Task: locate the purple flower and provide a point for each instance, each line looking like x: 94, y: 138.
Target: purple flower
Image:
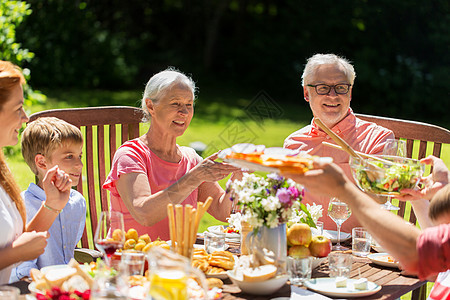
x: 294, y: 192
x: 275, y: 176
x: 284, y: 196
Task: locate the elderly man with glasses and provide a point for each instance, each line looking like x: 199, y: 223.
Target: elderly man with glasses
x: 327, y: 86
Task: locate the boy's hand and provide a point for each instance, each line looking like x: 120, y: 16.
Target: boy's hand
x: 31, y: 244
x: 57, y: 186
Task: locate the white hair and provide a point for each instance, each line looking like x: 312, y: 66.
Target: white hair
x: 327, y: 59
x: 160, y: 82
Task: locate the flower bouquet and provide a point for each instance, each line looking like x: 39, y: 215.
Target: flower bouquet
x: 268, y: 201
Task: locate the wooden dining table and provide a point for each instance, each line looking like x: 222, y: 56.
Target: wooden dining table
x: 392, y: 281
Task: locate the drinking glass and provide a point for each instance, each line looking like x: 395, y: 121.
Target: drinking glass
x: 361, y: 241
x: 340, y: 264
x: 214, y: 241
x: 110, y: 234
x: 9, y: 292
x: 299, y: 269
x: 338, y: 211
x: 393, y: 147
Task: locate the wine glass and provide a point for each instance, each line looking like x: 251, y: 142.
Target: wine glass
x: 338, y: 211
x: 393, y: 147
x: 110, y: 234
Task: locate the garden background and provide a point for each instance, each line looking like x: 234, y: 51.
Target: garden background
x: 246, y: 57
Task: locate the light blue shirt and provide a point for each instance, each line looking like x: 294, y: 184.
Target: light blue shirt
x: 65, y: 231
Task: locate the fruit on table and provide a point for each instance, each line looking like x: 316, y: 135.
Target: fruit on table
x: 299, y: 251
x: 320, y: 246
x: 132, y: 234
x: 299, y: 234
x: 117, y: 235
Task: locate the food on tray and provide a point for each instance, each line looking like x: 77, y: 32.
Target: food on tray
x: 215, y: 263
x: 401, y: 173
x: 341, y: 282
x: 360, y: 284
x: 260, y: 273
x: 286, y: 163
x: 141, y: 243
x: 67, y: 280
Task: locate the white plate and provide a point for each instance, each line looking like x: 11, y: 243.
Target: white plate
x: 327, y: 286
x: 332, y: 235
x: 376, y: 258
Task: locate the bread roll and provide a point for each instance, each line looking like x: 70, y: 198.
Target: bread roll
x: 214, y: 282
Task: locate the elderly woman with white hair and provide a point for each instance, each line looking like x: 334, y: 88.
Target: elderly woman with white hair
x: 151, y: 171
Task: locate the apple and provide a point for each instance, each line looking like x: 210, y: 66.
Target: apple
x: 299, y: 234
x: 299, y: 251
x: 320, y: 246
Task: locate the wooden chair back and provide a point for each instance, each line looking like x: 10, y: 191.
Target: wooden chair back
x: 104, y: 130
x: 427, y: 135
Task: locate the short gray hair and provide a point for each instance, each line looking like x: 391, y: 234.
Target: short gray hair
x: 328, y: 59
x: 159, y: 83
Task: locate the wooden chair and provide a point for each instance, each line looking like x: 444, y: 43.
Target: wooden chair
x: 104, y: 130
x: 427, y: 136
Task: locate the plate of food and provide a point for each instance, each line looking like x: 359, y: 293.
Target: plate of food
x: 272, y: 160
x: 377, y: 247
x: 350, y: 289
x: 215, y: 264
x: 383, y: 259
x: 333, y: 234
x: 231, y: 235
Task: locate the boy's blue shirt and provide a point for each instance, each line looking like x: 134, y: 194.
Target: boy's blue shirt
x: 65, y: 231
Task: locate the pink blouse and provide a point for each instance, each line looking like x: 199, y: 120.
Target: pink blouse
x: 135, y: 157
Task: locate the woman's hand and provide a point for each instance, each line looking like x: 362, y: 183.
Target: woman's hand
x: 30, y: 244
x: 431, y: 184
x: 57, y: 186
x: 210, y: 171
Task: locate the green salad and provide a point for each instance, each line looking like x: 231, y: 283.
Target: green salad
x: 395, y: 178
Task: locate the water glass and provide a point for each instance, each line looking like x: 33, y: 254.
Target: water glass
x: 340, y: 264
x: 214, y: 242
x: 133, y: 262
x: 319, y: 229
x: 361, y: 241
x: 299, y: 269
x: 9, y: 292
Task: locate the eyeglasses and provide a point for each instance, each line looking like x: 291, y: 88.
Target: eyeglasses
x: 324, y: 89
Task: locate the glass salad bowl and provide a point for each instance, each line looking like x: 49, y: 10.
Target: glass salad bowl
x: 386, y: 177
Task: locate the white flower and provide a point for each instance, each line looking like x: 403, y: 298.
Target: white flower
x: 235, y: 220
x: 272, y: 220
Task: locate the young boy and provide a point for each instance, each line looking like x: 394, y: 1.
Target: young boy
x: 47, y: 142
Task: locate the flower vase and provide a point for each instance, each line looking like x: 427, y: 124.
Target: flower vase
x: 274, y: 240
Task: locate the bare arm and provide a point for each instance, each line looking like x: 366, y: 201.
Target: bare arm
x: 28, y: 245
x: 149, y: 208
x: 57, y: 186
x: 391, y: 231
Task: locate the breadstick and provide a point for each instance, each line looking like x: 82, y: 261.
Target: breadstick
x: 193, y: 231
x: 186, y: 229
x: 172, y: 228
x: 179, y: 225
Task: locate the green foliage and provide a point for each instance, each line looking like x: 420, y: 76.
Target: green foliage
x: 12, y: 14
